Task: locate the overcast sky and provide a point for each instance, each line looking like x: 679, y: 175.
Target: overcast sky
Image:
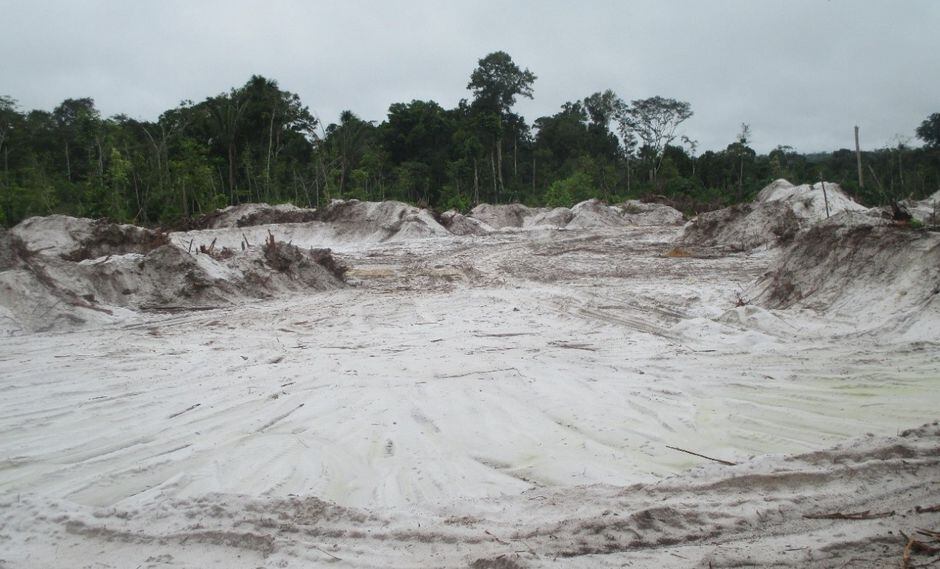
x: 800, y: 72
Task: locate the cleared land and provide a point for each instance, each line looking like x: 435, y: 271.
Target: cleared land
x: 506, y: 399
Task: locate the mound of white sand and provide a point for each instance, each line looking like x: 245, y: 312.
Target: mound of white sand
x: 556, y: 217
x: 64, y: 284
x: 460, y: 224
x: 636, y: 212
x: 381, y: 221
x: 342, y: 225
x: 54, y: 234
x: 812, y: 202
x: 595, y: 213
x: 245, y: 215
x: 589, y: 214
x: 926, y: 211
x: 76, y: 238
x: 780, y: 211
x: 741, y: 227
x: 504, y: 215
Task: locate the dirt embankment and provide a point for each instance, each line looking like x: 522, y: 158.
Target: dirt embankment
x: 891, y: 274
x: 742, y: 227
x: 65, y: 272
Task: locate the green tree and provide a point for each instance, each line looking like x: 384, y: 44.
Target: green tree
x: 495, y: 83
x: 929, y: 131
x: 655, y: 121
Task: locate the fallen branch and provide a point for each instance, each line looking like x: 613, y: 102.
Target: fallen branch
x: 174, y: 415
x: 725, y: 462
x: 866, y: 515
x: 906, y: 556
x: 487, y: 532
x: 934, y: 534
x: 325, y: 552
x: 156, y: 308
x: 927, y: 509
x: 914, y: 545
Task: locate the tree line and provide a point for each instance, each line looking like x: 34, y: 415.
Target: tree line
x: 258, y: 143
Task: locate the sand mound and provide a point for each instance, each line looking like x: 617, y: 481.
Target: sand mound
x: 780, y: 211
x: 595, y: 213
x: 589, y: 214
x: 926, y: 211
x: 504, y: 215
x: 246, y: 215
x: 636, y: 212
x: 342, y: 225
x: 875, y: 274
x: 459, y: 224
x: 76, y: 239
x: 809, y: 201
x: 557, y: 217
x: 381, y: 221
x: 44, y: 292
x: 742, y: 227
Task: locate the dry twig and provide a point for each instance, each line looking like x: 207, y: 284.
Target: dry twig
x: 725, y: 462
x: 866, y: 515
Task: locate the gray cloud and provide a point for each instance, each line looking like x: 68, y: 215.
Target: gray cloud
x: 800, y: 72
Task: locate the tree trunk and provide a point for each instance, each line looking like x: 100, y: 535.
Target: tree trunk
x: 515, y: 155
x: 100, y: 158
x: 141, y: 212
x: 900, y: 169
x: 858, y: 160
x: 267, y: 167
x: 533, y: 176
x: 493, y: 173
x: 68, y: 163
x: 499, y: 165
x: 185, y: 201
x: 628, y: 174
x: 231, y: 172
x: 476, y: 183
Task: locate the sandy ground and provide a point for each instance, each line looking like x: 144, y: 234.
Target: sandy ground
x: 506, y: 400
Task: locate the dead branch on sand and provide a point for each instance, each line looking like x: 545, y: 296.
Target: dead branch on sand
x: 725, y: 462
x: 866, y: 515
x: 914, y: 546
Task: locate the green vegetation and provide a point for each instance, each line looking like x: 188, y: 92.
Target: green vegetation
x: 258, y: 142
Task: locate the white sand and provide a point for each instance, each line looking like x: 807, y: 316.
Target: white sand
x: 485, y: 399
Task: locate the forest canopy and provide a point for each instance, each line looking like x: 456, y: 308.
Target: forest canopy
x: 259, y: 142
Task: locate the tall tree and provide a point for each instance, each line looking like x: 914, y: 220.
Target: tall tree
x: 655, y: 121
x: 929, y: 131
x: 495, y: 83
